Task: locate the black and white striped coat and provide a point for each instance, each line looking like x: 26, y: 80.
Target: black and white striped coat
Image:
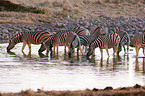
x: 124, y: 40
x: 28, y: 38
x: 104, y: 42
x: 138, y: 41
x: 61, y: 38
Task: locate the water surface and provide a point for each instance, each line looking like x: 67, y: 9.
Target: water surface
x: 19, y: 72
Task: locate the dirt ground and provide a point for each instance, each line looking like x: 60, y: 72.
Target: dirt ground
x: 136, y: 90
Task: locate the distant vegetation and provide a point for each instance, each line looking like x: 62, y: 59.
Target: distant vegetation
x: 34, y: 11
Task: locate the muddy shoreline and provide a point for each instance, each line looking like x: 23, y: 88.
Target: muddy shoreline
x: 136, y: 90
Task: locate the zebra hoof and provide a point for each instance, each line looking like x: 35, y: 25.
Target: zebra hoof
x: 8, y: 50
x: 41, y: 55
x: 11, y: 53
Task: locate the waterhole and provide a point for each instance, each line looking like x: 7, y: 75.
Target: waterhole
x: 19, y: 72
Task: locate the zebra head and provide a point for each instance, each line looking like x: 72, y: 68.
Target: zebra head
x: 90, y: 52
x: 72, y: 51
x: 119, y: 48
x: 11, y: 45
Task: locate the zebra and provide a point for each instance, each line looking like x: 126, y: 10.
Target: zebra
x: 62, y: 39
x: 124, y: 40
x: 78, y: 30
x: 65, y: 37
x: 138, y: 41
x: 28, y: 38
x: 47, y: 44
x: 104, y: 42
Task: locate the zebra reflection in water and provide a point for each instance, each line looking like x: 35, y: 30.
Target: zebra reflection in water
x: 140, y: 67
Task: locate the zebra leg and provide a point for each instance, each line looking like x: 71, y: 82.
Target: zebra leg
x: 80, y: 50
x: 50, y: 52
x: 84, y: 48
x: 143, y: 51
x: 29, y: 46
x: 113, y: 52
x: 127, y: 48
x: 69, y: 53
x: 107, y: 52
x: 48, y: 49
x: 124, y: 49
x: 65, y: 49
x: 54, y: 49
x: 115, y: 49
x: 57, y: 49
x: 77, y: 51
x: 137, y: 50
x: 42, y: 48
x: 101, y: 50
x: 93, y: 53
x: 24, y: 44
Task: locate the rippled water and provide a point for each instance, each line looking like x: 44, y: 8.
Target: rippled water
x: 19, y: 72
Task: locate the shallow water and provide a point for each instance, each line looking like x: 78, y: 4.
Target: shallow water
x: 19, y: 72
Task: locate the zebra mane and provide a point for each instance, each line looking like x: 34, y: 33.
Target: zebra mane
x: 17, y: 35
x: 62, y: 31
x: 96, y: 29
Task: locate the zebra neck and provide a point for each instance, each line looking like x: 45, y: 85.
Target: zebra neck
x: 17, y: 39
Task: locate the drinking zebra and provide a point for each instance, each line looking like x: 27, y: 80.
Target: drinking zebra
x: 104, y: 42
x: 78, y: 31
x: 69, y: 39
x: 138, y: 41
x: 124, y: 40
x: 28, y: 38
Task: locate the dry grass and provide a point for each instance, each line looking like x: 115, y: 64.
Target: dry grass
x: 51, y: 10
x: 20, y: 17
